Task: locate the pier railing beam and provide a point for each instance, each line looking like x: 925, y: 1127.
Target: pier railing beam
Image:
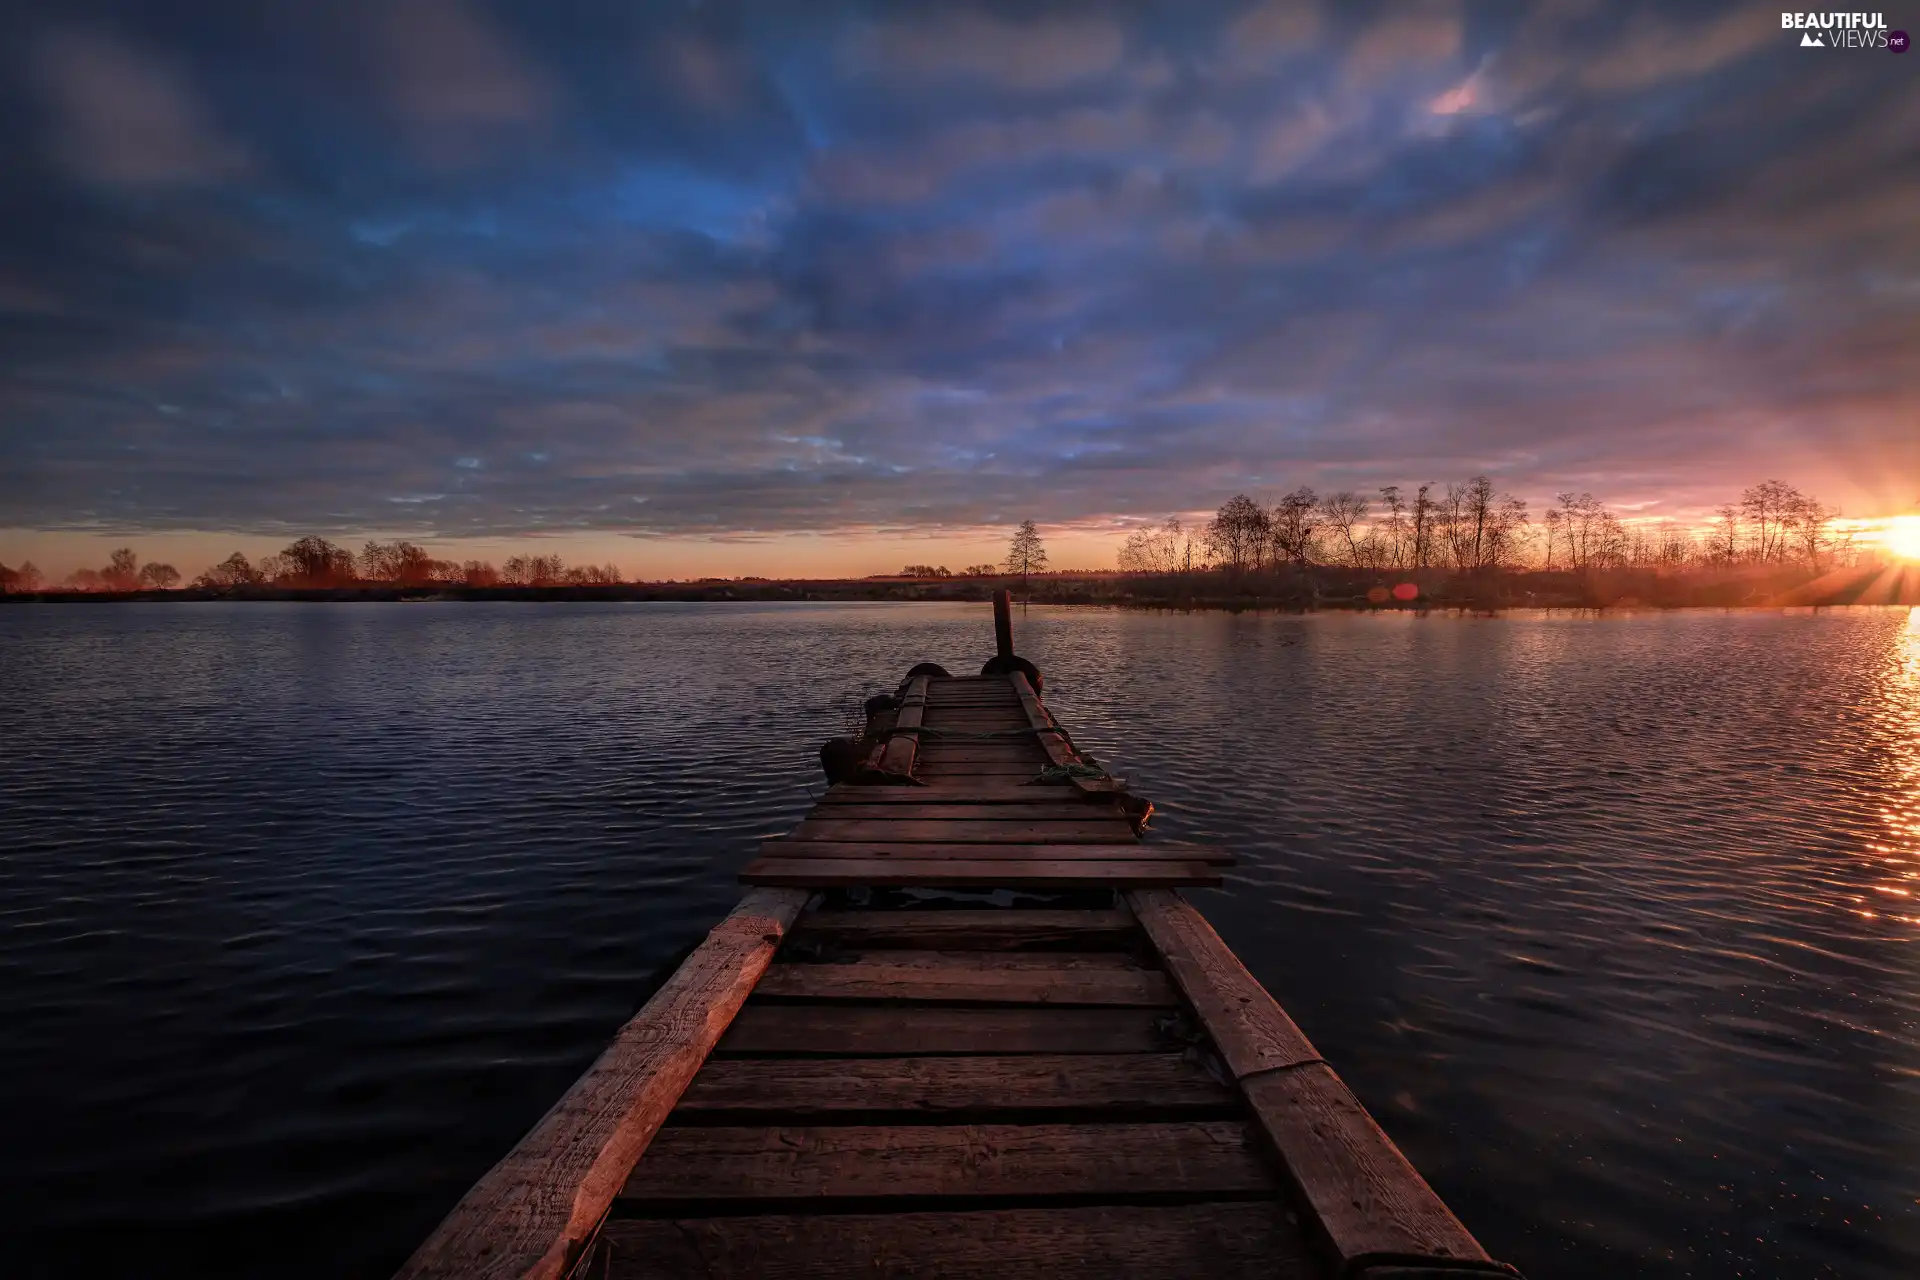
x: 532, y: 1217
x: 1003, y: 624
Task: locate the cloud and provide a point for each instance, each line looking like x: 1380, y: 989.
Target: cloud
x: 118, y: 116
x: 1412, y: 36
x: 1028, y: 56
x: 456, y: 84
x: 709, y: 273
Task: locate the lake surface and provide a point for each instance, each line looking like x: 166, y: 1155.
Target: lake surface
x: 308, y: 911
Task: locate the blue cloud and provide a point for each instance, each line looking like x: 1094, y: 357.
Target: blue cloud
x: 724, y: 267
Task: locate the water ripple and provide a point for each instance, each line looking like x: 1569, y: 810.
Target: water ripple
x: 306, y: 912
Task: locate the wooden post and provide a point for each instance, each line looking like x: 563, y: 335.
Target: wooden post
x: 1003, y: 623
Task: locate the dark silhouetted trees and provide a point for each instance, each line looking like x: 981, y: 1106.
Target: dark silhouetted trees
x: 159, y: 577
x: 1165, y: 550
x: 24, y: 579
x: 122, y: 572
x: 1238, y: 535
x: 315, y: 562
x: 1296, y: 527
x: 234, y: 571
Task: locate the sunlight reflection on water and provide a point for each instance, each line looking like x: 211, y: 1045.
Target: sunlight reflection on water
x: 306, y: 912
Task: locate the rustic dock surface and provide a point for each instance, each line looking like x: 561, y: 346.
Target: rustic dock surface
x: 965, y: 1026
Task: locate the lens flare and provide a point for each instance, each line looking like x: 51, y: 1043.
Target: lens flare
x: 1902, y: 537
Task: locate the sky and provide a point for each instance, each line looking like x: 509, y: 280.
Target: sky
x: 710, y: 288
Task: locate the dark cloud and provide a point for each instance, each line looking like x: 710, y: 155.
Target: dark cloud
x: 476, y: 269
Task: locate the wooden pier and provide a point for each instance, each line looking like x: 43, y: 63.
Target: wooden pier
x: 962, y: 1025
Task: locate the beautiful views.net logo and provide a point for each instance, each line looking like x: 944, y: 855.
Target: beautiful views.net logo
x: 1844, y: 31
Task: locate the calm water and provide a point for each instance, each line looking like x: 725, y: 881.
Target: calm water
x: 306, y: 912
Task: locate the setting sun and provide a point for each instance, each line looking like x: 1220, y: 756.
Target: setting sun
x: 1902, y: 537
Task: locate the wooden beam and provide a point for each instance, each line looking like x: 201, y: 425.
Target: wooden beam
x: 1066, y: 808
x: 1251, y: 1030
x: 532, y: 1215
x: 908, y: 833
x: 1017, y: 977
x: 1155, y: 1085
x: 1232, y: 1240
x: 982, y: 930
x: 1003, y: 624
x: 984, y: 793
x: 1369, y: 1201
x: 788, y: 1162
x: 956, y: 873
x: 1058, y: 750
x: 896, y: 757
x: 960, y: 849
x: 893, y: 1030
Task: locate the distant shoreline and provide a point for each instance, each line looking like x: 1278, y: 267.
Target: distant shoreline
x: 1320, y: 589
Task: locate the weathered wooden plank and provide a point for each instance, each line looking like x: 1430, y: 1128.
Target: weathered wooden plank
x: 1083, y: 830
x: 952, y: 716
x: 1231, y: 1240
x: 897, y: 756
x: 982, y: 793
x: 1368, y: 1200
x: 1019, y: 977
x: 980, y: 769
x: 1062, y: 810
x: 1037, y: 716
x: 533, y: 1213
x: 1195, y: 1157
x: 958, y: 873
x: 988, y: 930
x: 898, y: 1030
x: 964, y: 851
x: 1251, y: 1030
x: 1163, y: 1084
x: 1058, y: 749
x: 942, y: 751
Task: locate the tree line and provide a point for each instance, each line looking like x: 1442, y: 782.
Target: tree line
x: 314, y: 562
x: 1472, y: 528
x: 941, y: 571
x: 122, y: 572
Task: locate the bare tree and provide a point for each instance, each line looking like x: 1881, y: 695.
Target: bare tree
x: 1479, y: 529
x: 1673, y: 545
x: 1342, y: 513
x: 401, y: 562
x: 318, y: 563
x: 981, y: 570
x: 1426, y: 546
x: 1296, y: 527
x: 1396, y: 531
x: 533, y: 571
x: 479, y: 573
x: 1025, y: 554
x: 1157, y: 550
x: 28, y: 577
x: 1810, y: 524
x: 234, y: 571
x: 1768, y: 509
x: 161, y: 577
x: 122, y: 572
x: 1723, y: 539
x: 1238, y: 533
